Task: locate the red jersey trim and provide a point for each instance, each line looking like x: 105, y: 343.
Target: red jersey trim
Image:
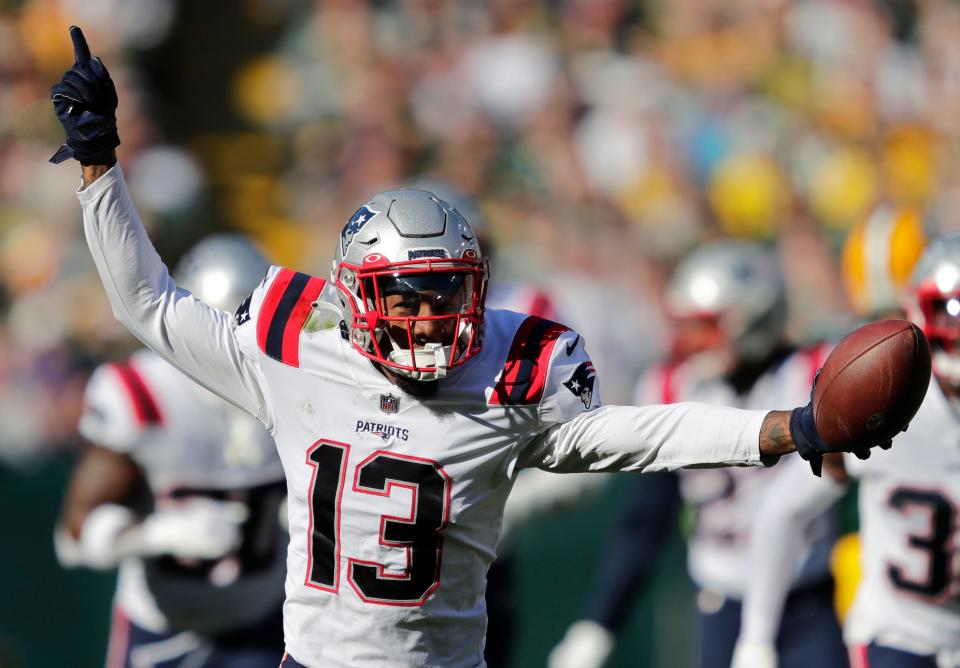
x: 144, y: 405
x: 541, y: 306
x: 283, y: 314
x: 524, y: 374
x: 668, y: 389
x: 816, y: 356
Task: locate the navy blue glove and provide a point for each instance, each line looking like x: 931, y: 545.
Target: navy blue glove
x: 810, y: 446
x: 85, y: 102
x: 803, y: 431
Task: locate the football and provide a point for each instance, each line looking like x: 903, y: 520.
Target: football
x: 872, y: 384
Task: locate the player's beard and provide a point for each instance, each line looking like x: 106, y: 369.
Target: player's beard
x: 419, y: 389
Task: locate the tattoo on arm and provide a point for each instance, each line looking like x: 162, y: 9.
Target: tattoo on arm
x: 775, y: 436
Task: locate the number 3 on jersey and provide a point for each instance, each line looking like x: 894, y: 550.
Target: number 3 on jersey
x: 420, y: 534
x: 937, y: 544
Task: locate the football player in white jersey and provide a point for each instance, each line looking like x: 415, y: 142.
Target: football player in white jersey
x: 728, y: 302
x: 535, y: 493
x: 906, y: 611
x: 401, y: 431
x: 202, y: 556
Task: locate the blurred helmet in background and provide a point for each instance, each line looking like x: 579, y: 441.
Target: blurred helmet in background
x: 221, y: 270
x: 728, y: 303
x: 878, y: 256
x: 933, y: 302
x: 410, y: 243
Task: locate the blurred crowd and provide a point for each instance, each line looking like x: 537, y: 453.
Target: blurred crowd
x: 601, y: 139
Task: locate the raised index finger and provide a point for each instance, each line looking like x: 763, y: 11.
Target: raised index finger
x: 81, y: 52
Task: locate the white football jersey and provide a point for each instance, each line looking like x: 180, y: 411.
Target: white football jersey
x: 909, y: 497
x: 189, y: 442
x: 725, y: 500
x: 394, y: 503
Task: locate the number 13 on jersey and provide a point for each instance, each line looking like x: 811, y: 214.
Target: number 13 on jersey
x: 420, y: 534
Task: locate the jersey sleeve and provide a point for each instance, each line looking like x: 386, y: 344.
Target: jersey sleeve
x: 118, y: 409
x: 199, y: 340
x: 580, y: 435
x: 649, y: 438
x: 270, y: 321
x: 571, y: 384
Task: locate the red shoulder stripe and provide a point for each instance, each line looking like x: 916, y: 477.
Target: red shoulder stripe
x: 668, y: 390
x: 283, y: 314
x: 144, y: 405
x: 525, y: 371
x: 541, y: 305
x: 269, y: 307
x: 298, y: 318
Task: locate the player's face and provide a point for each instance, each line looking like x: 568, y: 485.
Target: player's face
x: 943, y: 332
x: 696, y: 334
x: 425, y: 307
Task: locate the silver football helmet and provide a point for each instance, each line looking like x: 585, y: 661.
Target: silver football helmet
x: 932, y: 301
x: 221, y: 270
x: 407, y: 260
x: 736, y: 293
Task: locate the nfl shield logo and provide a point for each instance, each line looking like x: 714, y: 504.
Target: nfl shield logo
x: 389, y: 403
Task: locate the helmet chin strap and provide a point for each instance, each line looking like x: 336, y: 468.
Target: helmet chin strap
x: 433, y: 355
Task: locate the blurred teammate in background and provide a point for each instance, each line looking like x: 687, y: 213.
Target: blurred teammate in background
x: 184, y: 493
x: 728, y: 301
x: 905, y: 612
x: 878, y: 256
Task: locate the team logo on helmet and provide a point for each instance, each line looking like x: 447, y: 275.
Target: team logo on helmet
x: 354, y: 225
x: 389, y: 403
x: 581, y: 383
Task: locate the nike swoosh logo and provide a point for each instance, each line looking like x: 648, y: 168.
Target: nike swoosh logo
x: 572, y: 345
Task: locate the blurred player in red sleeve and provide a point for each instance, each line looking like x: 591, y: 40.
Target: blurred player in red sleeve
x: 183, y: 492
x: 729, y: 307
x: 904, y: 612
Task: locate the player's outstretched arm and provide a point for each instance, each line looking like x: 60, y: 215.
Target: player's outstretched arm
x: 683, y: 435
x: 660, y: 438
x: 194, y: 337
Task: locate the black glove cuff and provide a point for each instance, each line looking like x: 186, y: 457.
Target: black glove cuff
x: 803, y: 431
x: 89, y: 151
